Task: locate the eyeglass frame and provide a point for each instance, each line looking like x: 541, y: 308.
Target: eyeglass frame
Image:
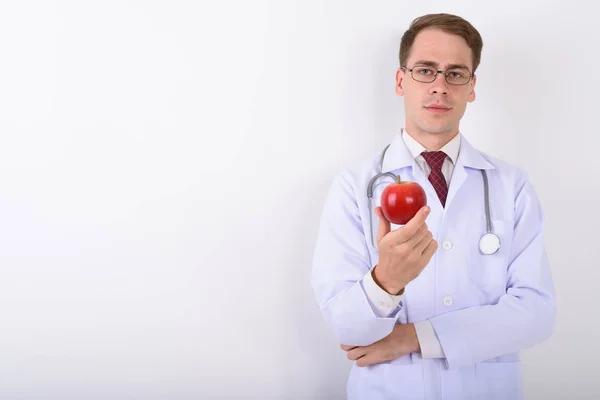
x: 437, y: 72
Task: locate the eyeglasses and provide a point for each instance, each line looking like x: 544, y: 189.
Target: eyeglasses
x: 427, y: 74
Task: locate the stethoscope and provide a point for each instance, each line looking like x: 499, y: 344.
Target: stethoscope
x: 489, y: 243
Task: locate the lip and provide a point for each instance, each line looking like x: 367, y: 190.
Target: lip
x: 437, y: 108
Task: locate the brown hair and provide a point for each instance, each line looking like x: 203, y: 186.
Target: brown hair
x: 448, y: 23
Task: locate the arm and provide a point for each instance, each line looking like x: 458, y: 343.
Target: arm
x: 423, y: 337
x: 524, y: 316
x: 340, y: 265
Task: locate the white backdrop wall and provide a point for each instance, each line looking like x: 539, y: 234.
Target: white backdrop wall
x: 163, y: 166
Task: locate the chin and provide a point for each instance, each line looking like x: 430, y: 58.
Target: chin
x: 437, y: 128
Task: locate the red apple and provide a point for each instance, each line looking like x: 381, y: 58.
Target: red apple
x: 401, y: 200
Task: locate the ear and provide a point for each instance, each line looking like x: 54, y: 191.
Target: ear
x: 472, y: 92
x: 400, y: 82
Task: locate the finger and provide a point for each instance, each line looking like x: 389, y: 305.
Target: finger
x: 418, y: 236
x: 356, y: 353
x: 368, y: 359
x: 408, y: 231
x: 384, y: 225
x: 430, y: 249
x: 345, y: 347
x: 423, y: 242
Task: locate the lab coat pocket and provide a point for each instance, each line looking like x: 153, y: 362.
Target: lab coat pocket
x: 499, y: 380
x: 388, y: 380
x: 489, y: 270
x: 406, y: 382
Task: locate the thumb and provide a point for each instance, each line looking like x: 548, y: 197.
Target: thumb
x: 384, y: 225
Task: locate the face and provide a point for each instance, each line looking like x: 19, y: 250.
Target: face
x: 435, y: 108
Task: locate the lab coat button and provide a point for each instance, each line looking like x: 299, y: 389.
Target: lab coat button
x: 448, y: 300
x: 447, y: 245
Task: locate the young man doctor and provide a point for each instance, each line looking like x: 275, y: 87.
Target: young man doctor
x: 424, y: 320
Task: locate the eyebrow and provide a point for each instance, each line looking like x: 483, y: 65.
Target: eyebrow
x: 436, y: 65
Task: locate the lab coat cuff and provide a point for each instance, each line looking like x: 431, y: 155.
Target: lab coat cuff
x: 428, y: 340
x: 456, y: 349
x: 382, y: 303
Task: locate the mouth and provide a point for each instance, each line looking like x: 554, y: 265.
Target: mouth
x: 438, y: 108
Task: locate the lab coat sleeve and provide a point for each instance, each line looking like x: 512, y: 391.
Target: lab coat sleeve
x: 525, y: 315
x: 340, y: 265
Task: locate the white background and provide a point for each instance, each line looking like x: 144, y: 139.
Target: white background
x: 163, y: 165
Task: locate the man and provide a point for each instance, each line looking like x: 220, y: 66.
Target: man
x: 422, y: 320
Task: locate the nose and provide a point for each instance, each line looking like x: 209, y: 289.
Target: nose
x: 439, y: 85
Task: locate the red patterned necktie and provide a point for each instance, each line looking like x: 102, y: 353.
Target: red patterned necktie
x: 435, y: 159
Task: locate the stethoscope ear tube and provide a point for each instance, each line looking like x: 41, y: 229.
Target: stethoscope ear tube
x: 490, y: 242
x: 370, y: 196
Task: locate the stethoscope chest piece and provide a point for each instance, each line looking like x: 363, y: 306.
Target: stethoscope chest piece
x: 489, y: 243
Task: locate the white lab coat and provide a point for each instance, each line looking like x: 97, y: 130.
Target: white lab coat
x: 484, y: 308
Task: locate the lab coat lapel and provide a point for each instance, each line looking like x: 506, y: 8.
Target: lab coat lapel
x: 459, y: 175
x: 397, y: 155
x: 468, y: 157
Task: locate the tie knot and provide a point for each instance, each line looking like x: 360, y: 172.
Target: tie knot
x: 435, y: 159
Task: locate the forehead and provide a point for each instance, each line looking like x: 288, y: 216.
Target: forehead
x: 441, y: 48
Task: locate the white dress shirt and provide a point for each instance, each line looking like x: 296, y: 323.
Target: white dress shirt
x: 385, y: 304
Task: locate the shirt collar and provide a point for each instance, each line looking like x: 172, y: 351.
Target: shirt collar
x: 415, y: 148
x: 399, y: 156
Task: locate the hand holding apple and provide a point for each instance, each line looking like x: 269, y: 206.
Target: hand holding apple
x: 404, y: 252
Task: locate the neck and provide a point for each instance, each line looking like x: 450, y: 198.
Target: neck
x: 432, y: 141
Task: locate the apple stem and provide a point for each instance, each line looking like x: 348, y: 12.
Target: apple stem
x: 398, y: 179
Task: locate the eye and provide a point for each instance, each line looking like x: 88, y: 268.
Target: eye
x: 456, y: 74
x: 425, y: 71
